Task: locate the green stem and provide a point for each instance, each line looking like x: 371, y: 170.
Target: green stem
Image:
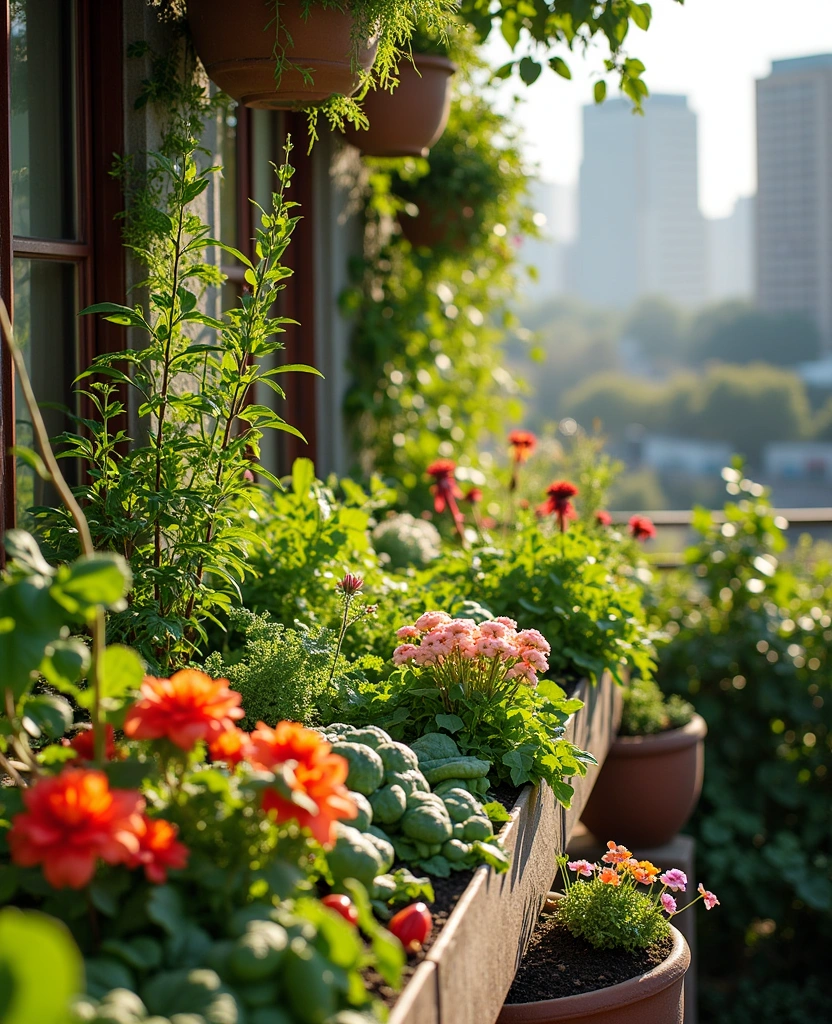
x: 65, y: 493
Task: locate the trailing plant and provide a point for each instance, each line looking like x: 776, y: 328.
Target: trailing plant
x: 646, y: 711
x: 751, y: 629
x: 605, y: 906
x: 427, y: 364
x: 169, y: 500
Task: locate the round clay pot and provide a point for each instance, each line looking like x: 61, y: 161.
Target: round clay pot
x: 648, y: 787
x: 656, y: 997
x: 235, y: 42
x: 411, y: 118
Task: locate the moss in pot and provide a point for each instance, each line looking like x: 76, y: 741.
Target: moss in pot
x: 605, y: 951
x: 652, y: 778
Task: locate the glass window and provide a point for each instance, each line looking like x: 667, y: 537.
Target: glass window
x: 43, y: 97
x: 45, y: 297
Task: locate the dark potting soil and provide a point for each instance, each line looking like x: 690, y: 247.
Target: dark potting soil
x: 447, y: 892
x: 557, y: 964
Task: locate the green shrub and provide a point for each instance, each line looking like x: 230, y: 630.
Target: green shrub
x: 281, y: 673
x: 751, y: 637
x: 612, y: 917
x: 646, y: 711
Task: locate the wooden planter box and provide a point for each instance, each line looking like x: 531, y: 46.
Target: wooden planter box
x: 466, y: 975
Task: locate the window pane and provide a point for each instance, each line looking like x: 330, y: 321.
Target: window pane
x: 43, y: 118
x: 44, y: 326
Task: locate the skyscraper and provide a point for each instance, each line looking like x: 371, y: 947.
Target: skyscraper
x: 794, y: 191
x: 731, y: 253
x: 640, y: 229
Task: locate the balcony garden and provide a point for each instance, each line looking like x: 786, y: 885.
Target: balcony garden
x: 278, y: 749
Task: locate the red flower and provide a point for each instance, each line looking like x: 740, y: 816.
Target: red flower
x: 523, y: 443
x: 445, y: 489
x: 603, y: 518
x: 84, y: 745
x: 316, y: 773
x: 72, y: 821
x: 230, y: 745
x: 473, y: 496
x: 188, y: 707
x: 642, y: 528
x: 159, y: 850
x: 350, y: 584
x: 558, y: 504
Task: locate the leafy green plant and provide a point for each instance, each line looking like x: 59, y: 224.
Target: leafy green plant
x: 169, y: 501
x: 280, y: 673
x: 646, y: 711
x: 427, y: 362
x: 751, y: 629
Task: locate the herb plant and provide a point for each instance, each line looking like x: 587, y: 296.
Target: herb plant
x: 621, y: 902
x: 170, y: 499
x: 646, y: 711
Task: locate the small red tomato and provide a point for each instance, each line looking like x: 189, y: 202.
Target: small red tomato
x: 412, y: 926
x: 341, y: 905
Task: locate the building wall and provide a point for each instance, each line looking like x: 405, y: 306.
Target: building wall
x: 640, y: 229
x: 794, y: 201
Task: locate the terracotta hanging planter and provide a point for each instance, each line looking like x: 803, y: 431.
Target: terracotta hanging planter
x: 436, y: 228
x: 236, y: 44
x: 656, y: 997
x: 648, y: 786
x: 411, y: 118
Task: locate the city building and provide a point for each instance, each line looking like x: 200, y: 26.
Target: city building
x: 640, y: 229
x: 794, y: 196
x: 554, y: 215
x: 730, y: 263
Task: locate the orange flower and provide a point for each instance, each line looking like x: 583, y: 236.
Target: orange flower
x: 644, y: 872
x: 609, y: 876
x: 188, y: 707
x: 229, y: 745
x: 616, y: 854
x: 159, y: 850
x: 316, y: 773
x: 83, y: 744
x: 71, y: 822
x: 523, y: 443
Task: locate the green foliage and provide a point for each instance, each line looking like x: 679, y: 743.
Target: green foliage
x: 33, y: 946
x: 427, y: 361
x: 402, y: 540
x: 751, y: 640
x: 646, y: 711
x: 169, y: 501
x: 612, y: 917
x: 735, y: 332
x: 538, y: 27
x: 281, y: 673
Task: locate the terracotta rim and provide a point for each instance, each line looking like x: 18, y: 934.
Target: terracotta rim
x: 623, y: 994
x: 663, y: 742
x: 433, y: 60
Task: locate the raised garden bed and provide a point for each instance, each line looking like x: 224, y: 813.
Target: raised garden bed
x: 470, y: 967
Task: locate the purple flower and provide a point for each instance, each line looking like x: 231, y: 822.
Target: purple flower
x: 674, y: 879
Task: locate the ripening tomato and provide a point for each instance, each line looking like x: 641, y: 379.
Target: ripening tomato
x: 342, y: 905
x: 412, y: 926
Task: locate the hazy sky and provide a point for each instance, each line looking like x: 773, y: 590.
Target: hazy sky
x: 712, y: 50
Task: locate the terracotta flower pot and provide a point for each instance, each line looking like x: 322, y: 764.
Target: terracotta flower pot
x: 656, y: 997
x: 435, y: 228
x: 648, y: 787
x: 236, y: 42
x: 411, y: 118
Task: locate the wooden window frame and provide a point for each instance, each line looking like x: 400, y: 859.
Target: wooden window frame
x: 98, y: 253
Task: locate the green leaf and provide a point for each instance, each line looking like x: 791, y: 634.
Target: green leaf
x: 493, y: 855
x: 30, y: 622
x: 510, y: 28
x: 23, y: 549
x: 529, y: 70
x: 505, y: 71
x: 641, y: 14
x: 121, y: 671
x: 295, y: 368
x: 496, y: 812
x: 90, y: 582
x: 303, y: 476
x: 164, y: 907
x: 64, y: 663
x: 47, y: 715
x: 600, y: 91
x: 453, y: 723
x: 560, y: 67
x: 34, y: 947
x: 32, y: 460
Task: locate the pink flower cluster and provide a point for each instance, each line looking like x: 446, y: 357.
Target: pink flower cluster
x: 436, y: 639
